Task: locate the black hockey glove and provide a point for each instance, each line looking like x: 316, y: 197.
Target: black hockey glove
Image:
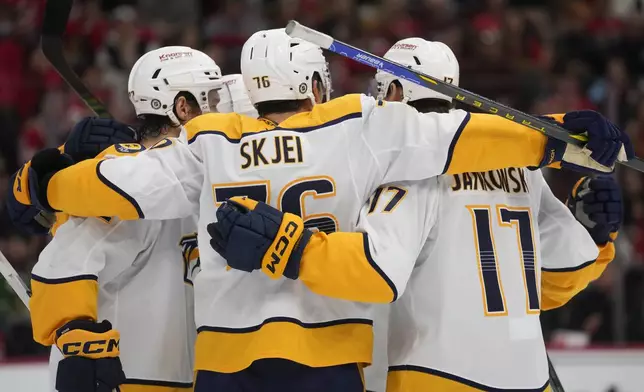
x: 605, y: 142
x: 91, y: 362
x: 92, y: 135
x: 252, y: 235
x: 597, y: 204
x: 26, y: 217
x: 43, y: 166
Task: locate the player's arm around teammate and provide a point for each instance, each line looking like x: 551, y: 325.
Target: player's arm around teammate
x: 426, y: 145
x: 88, y: 138
x: 364, y: 279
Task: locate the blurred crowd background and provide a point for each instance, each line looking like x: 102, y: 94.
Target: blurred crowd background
x: 540, y: 56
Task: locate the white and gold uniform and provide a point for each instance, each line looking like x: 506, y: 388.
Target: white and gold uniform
x: 322, y: 165
x: 478, y: 256
x: 136, y: 274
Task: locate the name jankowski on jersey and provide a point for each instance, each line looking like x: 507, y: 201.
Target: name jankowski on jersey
x: 510, y: 180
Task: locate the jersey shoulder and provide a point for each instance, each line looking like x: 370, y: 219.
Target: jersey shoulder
x: 121, y: 149
x: 335, y: 111
x: 232, y: 126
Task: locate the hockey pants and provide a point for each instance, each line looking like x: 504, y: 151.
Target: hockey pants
x: 280, y: 375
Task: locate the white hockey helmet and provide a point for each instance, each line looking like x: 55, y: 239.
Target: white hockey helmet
x: 431, y: 57
x: 159, y: 75
x: 234, y: 97
x: 276, y: 67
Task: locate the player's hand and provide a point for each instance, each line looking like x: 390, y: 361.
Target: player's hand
x: 252, y: 235
x: 25, y: 216
x: 91, y: 362
x: 40, y: 169
x: 606, y: 143
x: 597, y: 204
x: 92, y: 135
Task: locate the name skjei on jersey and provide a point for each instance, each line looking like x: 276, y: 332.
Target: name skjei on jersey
x: 271, y: 150
x: 510, y: 180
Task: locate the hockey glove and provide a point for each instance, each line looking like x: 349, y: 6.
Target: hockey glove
x: 91, y: 362
x: 27, y: 217
x: 92, y: 135
x: 252, y: 235
x: 604, y: 146
x: 43, y: 166
x: 597, y: 204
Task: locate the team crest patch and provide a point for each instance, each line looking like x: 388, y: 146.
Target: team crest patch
x: 303, y: 88
x: 156, y: 104
x: 128, y: 148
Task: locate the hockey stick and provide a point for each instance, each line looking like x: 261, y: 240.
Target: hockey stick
x: 51, y: 43
x: 555, y: 383
x: 295, y: 29
x: 14, y: 280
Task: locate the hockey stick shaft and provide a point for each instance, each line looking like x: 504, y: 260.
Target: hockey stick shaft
x: 555, y: 383
x: 54, y: 24
x: 14, y: 280
x: 295, y: 29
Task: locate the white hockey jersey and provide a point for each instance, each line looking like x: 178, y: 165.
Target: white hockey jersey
x: 322, y: 165
x: 478, y: 255
x: 136, y: 274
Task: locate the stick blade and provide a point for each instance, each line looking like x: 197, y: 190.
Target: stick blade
x: 297, y: 30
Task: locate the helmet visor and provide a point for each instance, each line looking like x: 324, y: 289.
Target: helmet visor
x: 214, y: 99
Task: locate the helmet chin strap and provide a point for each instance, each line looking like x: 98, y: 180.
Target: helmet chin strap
x: 173, y: 117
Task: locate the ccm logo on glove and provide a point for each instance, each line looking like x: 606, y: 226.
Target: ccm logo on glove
x: 84, y: 338
x: 281, y: 245
x: 87, y: 349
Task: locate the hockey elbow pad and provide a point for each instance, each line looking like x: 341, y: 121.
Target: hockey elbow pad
x: 91, y: 362
x: 252, y: 235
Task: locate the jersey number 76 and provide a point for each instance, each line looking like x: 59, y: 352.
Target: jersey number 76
x: 290, y: 199
x: 519, y: 218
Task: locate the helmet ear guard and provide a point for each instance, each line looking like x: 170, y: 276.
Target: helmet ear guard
x: 234, y: 98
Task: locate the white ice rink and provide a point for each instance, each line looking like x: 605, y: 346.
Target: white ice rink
x: 595, y: 370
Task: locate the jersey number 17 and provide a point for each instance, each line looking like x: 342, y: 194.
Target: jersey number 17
x: 519, y: 218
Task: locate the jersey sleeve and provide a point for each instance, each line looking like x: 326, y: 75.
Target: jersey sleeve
x: 409, y: 145
x: 64, y: 281
x: 374, y: 263
x: 570, y: 257
x: 163, y: 182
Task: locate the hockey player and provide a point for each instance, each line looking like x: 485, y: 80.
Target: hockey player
x: 136, y: 275
x: 469, y: 315
x: 255, y: 333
